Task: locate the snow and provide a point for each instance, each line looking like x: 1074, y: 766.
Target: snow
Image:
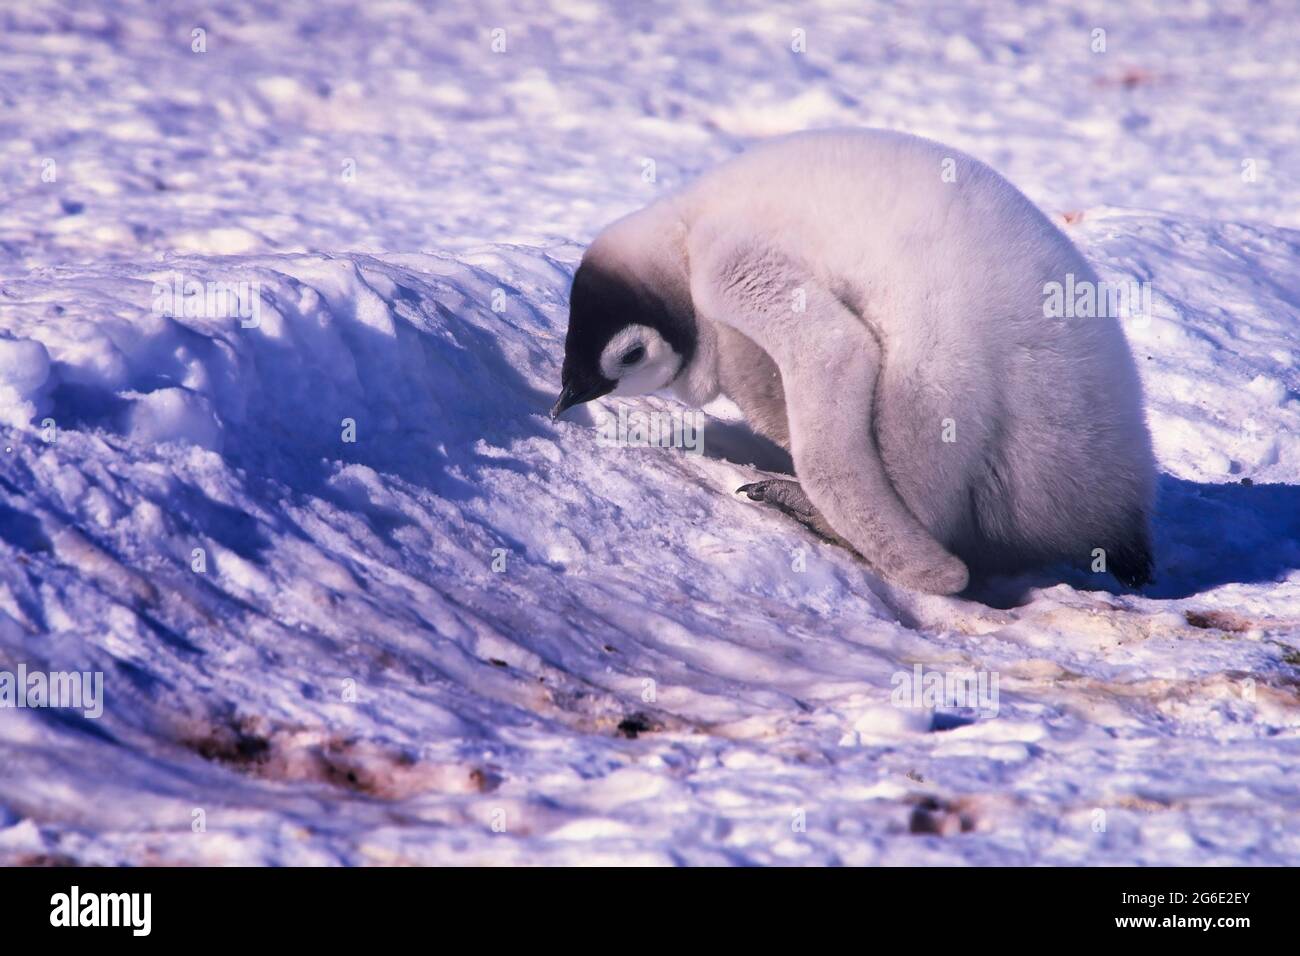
x: 359, y: 601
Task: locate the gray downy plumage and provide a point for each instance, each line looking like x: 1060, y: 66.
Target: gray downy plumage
x: 874, y: 303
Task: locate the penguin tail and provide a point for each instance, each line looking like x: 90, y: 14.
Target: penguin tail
x: 1131, y: 563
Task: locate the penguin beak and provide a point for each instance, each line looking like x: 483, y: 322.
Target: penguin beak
x: 575, y: 394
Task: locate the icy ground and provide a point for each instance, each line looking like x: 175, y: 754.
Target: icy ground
x: 387, y: 178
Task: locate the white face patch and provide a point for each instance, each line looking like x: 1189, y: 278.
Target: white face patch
x: 640, y: 360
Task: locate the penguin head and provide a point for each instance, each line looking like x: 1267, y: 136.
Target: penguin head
x: 623, y: 338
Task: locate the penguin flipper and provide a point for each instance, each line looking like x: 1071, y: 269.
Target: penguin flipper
x: 829, y: 362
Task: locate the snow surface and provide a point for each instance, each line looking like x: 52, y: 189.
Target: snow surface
x: 386, y: 178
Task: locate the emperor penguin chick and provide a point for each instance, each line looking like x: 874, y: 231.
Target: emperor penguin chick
x: 887, y: 324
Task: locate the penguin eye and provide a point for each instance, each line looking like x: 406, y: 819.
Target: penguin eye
x: 632, y: 356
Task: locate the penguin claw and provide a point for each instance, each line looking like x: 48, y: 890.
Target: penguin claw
x: 753, y: 490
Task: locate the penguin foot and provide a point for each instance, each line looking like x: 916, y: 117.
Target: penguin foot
x: 779, y: 492
x: 789, y: 497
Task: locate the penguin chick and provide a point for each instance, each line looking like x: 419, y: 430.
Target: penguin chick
x: 874, y: 302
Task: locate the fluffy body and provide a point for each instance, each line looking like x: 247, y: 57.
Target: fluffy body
x: 887, y: 327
